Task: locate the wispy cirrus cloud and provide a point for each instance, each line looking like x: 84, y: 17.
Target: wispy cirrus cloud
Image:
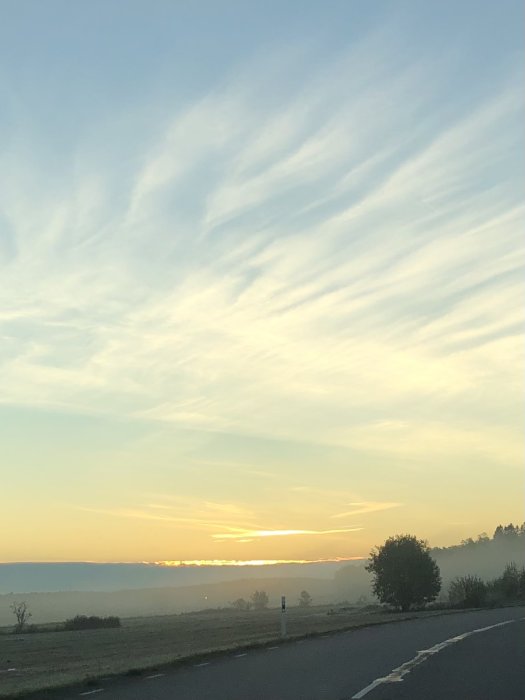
x: 316, y: 262
x: 279, y: 293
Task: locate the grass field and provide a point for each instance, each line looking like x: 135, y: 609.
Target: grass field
x: 51, y: 659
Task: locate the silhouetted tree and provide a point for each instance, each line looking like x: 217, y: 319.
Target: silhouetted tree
x: 259, y: 600
x: 404, y: 572
x: 305, y: 599
x: 22, y: 614
x: 241, y: 604
x: 509, y: 582
x: 509, y: 530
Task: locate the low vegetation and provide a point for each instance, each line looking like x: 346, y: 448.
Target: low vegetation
x: 91, y: 622
x: 78, y: 623
x: 473, y: 592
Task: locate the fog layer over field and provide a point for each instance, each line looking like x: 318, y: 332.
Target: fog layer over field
x: 81, y: 576
x: 56, y: 591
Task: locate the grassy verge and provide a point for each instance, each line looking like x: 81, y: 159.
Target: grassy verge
x: 44, y: 661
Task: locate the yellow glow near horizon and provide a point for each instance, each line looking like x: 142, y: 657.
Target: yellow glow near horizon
x: 248, y: 562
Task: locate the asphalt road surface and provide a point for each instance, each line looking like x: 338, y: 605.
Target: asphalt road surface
x: 464, y: 656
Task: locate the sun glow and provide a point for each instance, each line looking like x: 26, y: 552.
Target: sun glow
x: 249, y: 562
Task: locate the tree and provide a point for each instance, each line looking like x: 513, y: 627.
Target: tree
x: 259, y: 600
x: 509, y: 530
x: 241, y: 604
x: 509, y: 582
x: 22, y: 614
x: 305, y: 599
x: 404, y: 572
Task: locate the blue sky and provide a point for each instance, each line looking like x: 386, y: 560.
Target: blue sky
x: 260, y: 276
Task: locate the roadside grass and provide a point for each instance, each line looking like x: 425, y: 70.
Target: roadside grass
x: 50, y: 660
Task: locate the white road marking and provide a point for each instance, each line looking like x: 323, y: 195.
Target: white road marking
x: 155, y: 675
x: 204, y: 663
x: 270, y: 648
x: 239, y: 656
x: 396, y: 676
x: 92, y: 692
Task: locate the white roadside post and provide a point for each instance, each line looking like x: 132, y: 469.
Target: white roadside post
x: 283, y: 616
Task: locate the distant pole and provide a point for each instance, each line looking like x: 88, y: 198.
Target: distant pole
x: 283, y: 616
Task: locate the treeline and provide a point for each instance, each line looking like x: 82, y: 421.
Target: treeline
x: 260, y: 600
x: 503, y: 534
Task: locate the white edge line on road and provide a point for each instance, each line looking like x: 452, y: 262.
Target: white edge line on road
x: 155, y: 675
x: 204, y: 663
x: 270, y: 648
x: 397, y: 674
x: 92, y: 692
x: 239, y: 656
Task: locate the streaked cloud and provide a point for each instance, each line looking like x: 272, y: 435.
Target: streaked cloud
x: 280, y: 533
x: 360, y: 508
x: 317, y: 307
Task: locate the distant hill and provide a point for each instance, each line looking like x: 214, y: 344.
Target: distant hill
x: 81, y: 576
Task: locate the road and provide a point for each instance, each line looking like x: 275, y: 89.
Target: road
x: 464, y: 656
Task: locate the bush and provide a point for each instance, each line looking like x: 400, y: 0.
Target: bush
x: 509, y: 587
x: 472, y: 592
x: 83, y: 622
x: 467, y: 592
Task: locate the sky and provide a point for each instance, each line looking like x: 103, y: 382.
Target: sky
x: 261, y: 285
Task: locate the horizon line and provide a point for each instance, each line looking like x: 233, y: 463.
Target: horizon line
x: 196, y: 563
